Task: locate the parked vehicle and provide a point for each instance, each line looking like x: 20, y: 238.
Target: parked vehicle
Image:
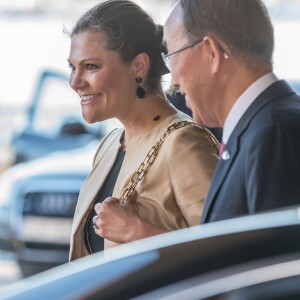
x: 252, y: 257
x: 37, y: 204
x: 54, y: 120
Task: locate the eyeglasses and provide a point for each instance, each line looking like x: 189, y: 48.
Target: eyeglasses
x: 166, y: 57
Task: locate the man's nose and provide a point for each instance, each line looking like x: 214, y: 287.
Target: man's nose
x: 175, y: 85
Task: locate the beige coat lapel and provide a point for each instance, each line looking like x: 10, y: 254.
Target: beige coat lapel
x: 102, y: 165
x: 134, y: 158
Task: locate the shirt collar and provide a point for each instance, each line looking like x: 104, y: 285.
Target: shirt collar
x: 244, y: 101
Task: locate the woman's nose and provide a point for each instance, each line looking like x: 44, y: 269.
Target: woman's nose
x: 76, y: 80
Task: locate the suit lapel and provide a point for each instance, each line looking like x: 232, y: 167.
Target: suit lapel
x: 276, y: 90
x: 222, y: 169
x: 109, y: 151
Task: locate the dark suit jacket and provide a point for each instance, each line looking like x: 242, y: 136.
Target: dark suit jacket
x: 260, y: 169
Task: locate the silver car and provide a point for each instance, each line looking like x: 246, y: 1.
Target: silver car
x: 37, y: 203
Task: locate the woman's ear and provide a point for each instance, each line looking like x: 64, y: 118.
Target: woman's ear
x: 141, y: 63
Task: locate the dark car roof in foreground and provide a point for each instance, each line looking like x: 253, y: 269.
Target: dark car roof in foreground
x: 136, y: 268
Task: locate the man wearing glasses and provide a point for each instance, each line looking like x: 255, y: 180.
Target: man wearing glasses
x: 220, y: 58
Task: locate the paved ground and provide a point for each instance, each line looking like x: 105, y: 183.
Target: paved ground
x: 9, y: 270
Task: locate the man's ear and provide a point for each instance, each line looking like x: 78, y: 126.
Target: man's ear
x: 216, y: 55
x: 141, y: 63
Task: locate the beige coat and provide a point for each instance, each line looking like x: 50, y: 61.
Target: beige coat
x: 172, y: 193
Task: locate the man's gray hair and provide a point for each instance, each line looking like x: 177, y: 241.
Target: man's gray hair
x: 244, y: 26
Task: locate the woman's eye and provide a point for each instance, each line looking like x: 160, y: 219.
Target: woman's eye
x: 71, y: 67
x: 91, y: 67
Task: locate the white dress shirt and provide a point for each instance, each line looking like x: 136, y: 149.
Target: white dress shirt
x: 244, y: 101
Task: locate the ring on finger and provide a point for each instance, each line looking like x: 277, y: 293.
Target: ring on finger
x: 95, y: 218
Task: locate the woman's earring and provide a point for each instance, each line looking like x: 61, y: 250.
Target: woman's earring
x: 140, y: 92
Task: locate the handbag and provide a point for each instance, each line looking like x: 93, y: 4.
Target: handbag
x: 152, y: 154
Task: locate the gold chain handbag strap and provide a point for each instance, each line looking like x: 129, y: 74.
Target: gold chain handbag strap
x: 152, y: 154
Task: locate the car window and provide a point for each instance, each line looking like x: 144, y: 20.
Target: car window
x: 57, y: 102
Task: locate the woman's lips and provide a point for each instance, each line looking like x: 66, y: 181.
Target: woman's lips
x: 85, y: 99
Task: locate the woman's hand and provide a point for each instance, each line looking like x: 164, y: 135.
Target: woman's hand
x: 121, y: 223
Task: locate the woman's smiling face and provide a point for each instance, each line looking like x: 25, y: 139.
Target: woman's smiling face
x: 105, y: 84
